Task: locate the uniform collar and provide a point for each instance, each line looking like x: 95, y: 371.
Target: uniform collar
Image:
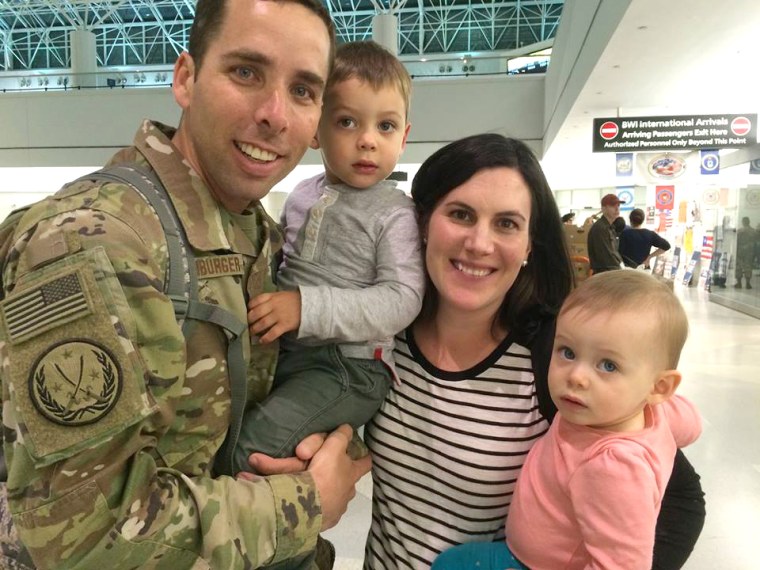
x: 207, y: 232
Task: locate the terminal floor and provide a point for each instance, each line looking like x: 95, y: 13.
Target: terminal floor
x: 721, y: 365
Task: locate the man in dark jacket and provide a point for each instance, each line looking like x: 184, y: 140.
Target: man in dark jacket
x: 603, y: 240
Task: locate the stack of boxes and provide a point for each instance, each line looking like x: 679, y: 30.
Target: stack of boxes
x: 576, y: 244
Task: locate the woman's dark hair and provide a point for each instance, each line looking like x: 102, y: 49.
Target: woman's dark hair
x: 209, y: 16
x: 541, y: 286
x: 636, y: 216
x: 568, y: 217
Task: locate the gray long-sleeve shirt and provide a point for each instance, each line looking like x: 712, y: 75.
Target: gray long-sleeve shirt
x: 355, y: 257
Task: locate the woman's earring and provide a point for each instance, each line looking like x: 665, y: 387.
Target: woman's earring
x: 424, y: 240
x: 525, y: 263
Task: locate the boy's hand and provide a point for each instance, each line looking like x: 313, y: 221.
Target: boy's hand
x: 270, y: 315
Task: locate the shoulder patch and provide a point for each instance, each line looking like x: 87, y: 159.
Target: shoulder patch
x: 76, y: 382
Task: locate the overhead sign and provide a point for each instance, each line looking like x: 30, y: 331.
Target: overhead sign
x: 680, y: 132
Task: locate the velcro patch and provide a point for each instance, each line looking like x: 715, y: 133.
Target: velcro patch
x: 75, y: 383
x: 45, y: 306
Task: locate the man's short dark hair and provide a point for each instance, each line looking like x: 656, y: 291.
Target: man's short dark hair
x: 209, y: 15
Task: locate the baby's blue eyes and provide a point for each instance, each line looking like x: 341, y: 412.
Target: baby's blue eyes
x: 608, y: 366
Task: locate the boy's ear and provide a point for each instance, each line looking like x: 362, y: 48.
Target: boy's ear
x: 406, y: 135
x: 315, y: 142
x: 664, y: 387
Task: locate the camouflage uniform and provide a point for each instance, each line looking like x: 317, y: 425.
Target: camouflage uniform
x: 111, y: 418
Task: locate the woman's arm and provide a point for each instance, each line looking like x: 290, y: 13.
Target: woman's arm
x: 681, y: 518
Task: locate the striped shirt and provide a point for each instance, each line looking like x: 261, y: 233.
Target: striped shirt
x: 446, y: 451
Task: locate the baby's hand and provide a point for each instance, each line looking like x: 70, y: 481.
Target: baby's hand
x: 270, y: 315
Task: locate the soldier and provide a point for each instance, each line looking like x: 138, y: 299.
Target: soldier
x: 746, y: 237
x: 113, y: 412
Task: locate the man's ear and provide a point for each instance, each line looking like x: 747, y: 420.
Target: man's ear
x: 664, y: 387
x: 183, y: 80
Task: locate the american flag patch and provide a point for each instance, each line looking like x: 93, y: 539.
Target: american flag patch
x: 46, y: 306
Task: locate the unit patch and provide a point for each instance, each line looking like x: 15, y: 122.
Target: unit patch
x: 76, y: 382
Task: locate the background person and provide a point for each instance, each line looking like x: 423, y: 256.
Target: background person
x: 602, y: 239
x: 618, y: 224
x: 591, y: 488
x: 569, y: 219
x: 352, y: 272
x: 449, y: 441
x: 746, y: 237
x: 636, y: 243
x: 121, y: 475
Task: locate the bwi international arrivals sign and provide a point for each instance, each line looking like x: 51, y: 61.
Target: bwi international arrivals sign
x: 683, y: 132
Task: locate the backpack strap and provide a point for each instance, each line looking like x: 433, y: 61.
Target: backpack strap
x: 181, y: 260
x: 181, y: 286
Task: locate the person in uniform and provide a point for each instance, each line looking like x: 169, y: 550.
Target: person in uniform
x: 112, y: 415
x: 746, y: 238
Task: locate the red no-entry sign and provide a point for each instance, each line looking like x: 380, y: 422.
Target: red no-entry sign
x: 740, y: 126
x: 608, y: 130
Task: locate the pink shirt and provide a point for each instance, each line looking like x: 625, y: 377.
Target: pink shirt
x: 589, y: 498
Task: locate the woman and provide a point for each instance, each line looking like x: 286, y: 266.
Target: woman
x: 448, y: 444
x: 636, y: 243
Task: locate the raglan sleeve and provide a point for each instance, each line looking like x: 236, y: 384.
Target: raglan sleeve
x: 92, y: 363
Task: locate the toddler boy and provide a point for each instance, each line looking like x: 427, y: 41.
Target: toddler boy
x: 352, y: 273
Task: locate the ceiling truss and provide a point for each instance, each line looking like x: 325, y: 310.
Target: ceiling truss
x: 35, y: 34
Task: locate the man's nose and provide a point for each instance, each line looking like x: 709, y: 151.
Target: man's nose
x: 271, y: 111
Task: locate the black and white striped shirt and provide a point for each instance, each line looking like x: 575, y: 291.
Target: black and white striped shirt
x: 446, y: 450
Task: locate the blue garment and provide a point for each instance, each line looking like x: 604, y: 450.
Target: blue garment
x: 636, y: 243
x: 478, y: 556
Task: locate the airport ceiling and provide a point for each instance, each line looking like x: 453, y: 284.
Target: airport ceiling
x: 678, y: 57
x: 34, y: 34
